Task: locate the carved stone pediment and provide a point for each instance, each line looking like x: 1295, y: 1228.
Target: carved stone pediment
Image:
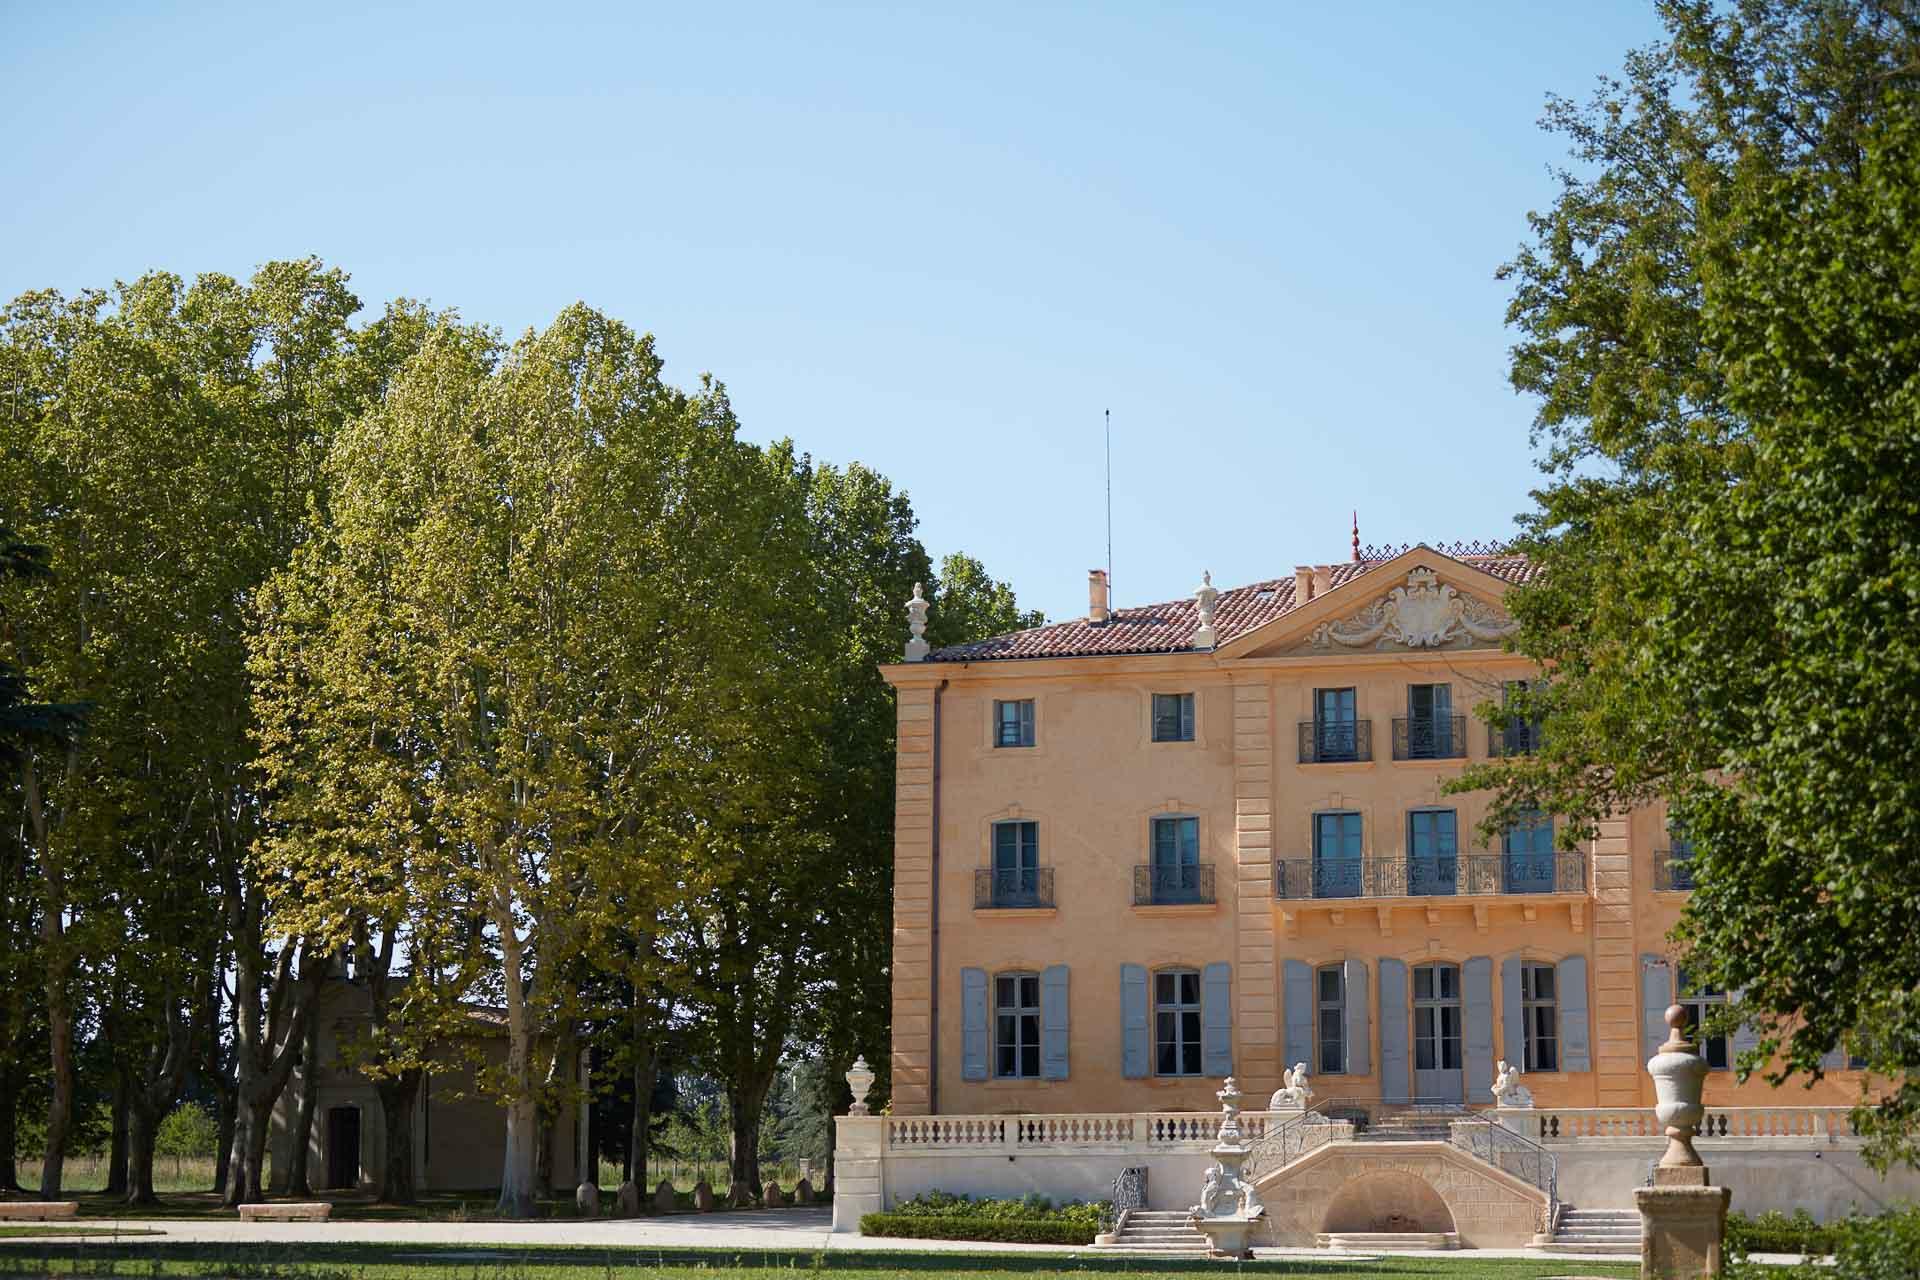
x: 1423, y: 614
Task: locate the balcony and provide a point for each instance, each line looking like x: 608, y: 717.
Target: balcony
x: 1173, y: 885
x: 1469, y: 875
x: 1013, y: 889
x: 1521, y: 738
x: 1335, y: 741
x: 1673, y: 870
x: 1429, y: 737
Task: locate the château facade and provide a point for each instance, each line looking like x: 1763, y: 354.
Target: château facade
x: 1143, y: 850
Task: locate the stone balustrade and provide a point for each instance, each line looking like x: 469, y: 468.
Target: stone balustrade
x: 1787, y: 1125
x: 1138, y: 1131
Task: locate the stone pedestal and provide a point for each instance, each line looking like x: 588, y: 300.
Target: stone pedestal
x: 1681, y: 1230
x: 857, y: 1183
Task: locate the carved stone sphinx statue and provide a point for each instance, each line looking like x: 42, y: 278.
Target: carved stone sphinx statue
x: 1294, y: 1093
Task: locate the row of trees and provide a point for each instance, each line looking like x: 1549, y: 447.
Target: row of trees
x: 506, y: 672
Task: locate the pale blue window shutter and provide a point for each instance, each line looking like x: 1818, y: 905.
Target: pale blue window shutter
x: 1053, y: 1023
x: 1297, y: 979
x: 1656, y: 993
x: 973, y: 1024
x: 1393, y: 1030
x: 1359, y: 1032
x: 1477, y: 977
x: 1513, y: 1018
x: 1570, y: 976
x: 1216, y: 1020
x: 1833, y: 1060
x: 1744, y: 1036
x: 1135, y: 1044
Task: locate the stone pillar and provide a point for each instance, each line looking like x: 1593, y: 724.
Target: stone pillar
x: 859, y: 1174
x: 1683, y: 1217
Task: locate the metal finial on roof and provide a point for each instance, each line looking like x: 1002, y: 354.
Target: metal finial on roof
x: 1356, y: 537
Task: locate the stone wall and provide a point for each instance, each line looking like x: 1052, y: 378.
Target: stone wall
x: 1342, y: 1182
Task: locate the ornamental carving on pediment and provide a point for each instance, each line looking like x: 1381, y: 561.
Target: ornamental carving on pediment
x: 1423, y: 614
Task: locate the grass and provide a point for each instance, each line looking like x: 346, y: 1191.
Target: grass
x: 507, y: 1262
x: 83, y: 1174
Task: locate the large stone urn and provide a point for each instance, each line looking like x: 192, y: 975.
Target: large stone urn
x: 1683, y: 1217
x: 1229, y: 1207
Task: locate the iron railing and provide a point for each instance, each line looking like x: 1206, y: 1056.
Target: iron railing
x: 1160, y: 884
x: 1520, y: 738
x: 1335, y: 741
x: 1012, y: 887
x: 1511, y: 1152
x: 1129, y: 1193
x: 1471, y: 875
x: 1429, y: 737
x: 1673, y: 869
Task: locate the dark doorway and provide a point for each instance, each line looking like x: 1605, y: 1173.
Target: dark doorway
x: 343, y: 1148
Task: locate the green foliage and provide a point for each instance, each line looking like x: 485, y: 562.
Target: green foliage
x: 1883, y: 1247
x: 1003, y: 1230
x: 186, y: 1131
x: 1029, y: 1208
x: 968, y: 604
x: 1775, y: 1232
x: 1720, y: 316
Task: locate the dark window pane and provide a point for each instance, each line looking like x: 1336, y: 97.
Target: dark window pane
x: 1164, y: 987
x: 1329, y: 984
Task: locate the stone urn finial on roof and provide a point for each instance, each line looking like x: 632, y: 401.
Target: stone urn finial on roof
x: 1203, y: 600
x: 917, y: 646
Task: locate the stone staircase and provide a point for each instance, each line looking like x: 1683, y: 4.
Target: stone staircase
x: 1406, y: 1126
x: 1158, y: 1233
x: 1602, y: 1232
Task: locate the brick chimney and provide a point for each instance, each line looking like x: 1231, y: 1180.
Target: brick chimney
x: 1302, y: 584
x: 1097, y: 610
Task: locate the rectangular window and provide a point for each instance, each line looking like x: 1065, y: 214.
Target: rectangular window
x: 1016, y: 862
x: 1013, y: 723
x: 1528, y: 864
x: 1176, y: 859
x: 1540, y: 1012
x: 1520, y: 737
x: 1334, y: 718
x: 1436, y: 1018
x: 1433, y: 852
x: 1176, y: 1023
x: 1429, y: 721
x: 1337, y: 864
x: 1173, y: 717
x: 1701, y: 1005
x: 1333, y: 1020
x: 1016, y: 1008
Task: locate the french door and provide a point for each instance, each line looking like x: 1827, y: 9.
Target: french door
x: 1437, y: 1073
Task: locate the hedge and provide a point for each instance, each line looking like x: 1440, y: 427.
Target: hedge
x: 1775, y: 1232
x: 998, y: 1230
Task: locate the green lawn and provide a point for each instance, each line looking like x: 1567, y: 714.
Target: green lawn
x: 497, y: 1262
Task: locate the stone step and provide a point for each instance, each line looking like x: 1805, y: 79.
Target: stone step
x: 1376, y: 1241
x: 1157, y: 1215
x: 1601, y: 1215
x: 1596, y: 1237
x: 1612, y: 1249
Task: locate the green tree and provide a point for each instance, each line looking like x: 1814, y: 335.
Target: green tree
x: 1718, y: 317
x: 968, y: 604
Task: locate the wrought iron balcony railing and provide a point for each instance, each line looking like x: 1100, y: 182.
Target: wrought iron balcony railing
x: 1522, y: 738
x: 1333, y: 741
x: 1012, y: 888
x: 1673, y: 869
x: 1172, y: 884
x: 1470, y: 875
x: 1429, y: 737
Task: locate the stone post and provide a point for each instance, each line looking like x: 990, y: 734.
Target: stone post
x: 859, y: 1174
x: 1683, y: 1217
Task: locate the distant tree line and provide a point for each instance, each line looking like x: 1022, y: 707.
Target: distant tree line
x: 496, y: 672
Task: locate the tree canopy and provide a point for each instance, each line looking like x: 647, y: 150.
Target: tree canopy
x: 1718, y: 318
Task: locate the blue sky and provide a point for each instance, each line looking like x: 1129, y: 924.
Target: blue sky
x: 936, y: 242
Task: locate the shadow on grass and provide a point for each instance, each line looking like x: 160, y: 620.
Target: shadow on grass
x: 314, y: 1261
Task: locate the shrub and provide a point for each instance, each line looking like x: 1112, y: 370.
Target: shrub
x: 1882, y: 1248
x: 1030, y: 1208
x: 1775, y: 1232
x: 186, y: 1131
x: 1007, y: 1230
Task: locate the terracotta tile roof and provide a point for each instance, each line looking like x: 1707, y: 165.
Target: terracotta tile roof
x: 1169, y: 627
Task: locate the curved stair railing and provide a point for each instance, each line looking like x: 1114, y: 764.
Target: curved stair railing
x: 1510, y: 1152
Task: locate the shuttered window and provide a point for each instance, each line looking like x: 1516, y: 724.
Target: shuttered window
x: 1016, y: 1026
x: 1331, y: 981
x: 1176, y: 1022
x: 1540, y: 1011
x: 1702, y: 1003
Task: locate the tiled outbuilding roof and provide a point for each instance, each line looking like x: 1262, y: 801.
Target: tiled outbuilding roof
x: 1169, y: 627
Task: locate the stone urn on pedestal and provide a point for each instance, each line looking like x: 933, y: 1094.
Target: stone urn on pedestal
x: 1229, y: 1207
x: 1683, y: 1217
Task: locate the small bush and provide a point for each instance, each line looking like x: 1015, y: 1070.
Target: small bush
x: 1007, y: 1230
x: 1029, y: 1208
x: 1775, y: 1232
x: 1882, y: 1248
